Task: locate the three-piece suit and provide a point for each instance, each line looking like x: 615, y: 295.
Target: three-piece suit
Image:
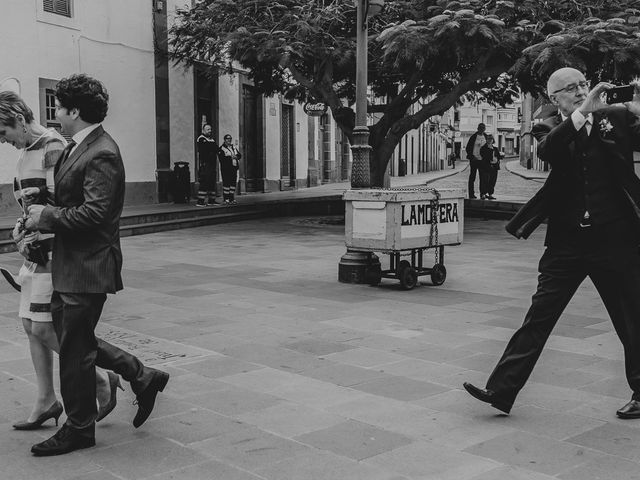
x: 591, y: 201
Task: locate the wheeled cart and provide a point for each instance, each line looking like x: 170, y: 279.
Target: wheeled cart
x: 407, y: 271
x: 404, y: 223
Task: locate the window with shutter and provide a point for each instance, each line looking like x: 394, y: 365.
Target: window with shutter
x: 50, y: 105
x: 47, y: 94
x: 59, y: 7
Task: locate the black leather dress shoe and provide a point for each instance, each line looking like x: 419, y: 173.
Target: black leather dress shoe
x: 630, y: 411
x: 486, y: 396
x: 147, y: 398
x: 65, y: 440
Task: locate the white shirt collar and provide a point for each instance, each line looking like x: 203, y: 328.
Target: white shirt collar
x: 84, y: 133
x: 588, y: 118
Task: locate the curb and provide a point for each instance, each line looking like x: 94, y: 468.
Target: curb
x: 527, y: 175
x: 449, y: 174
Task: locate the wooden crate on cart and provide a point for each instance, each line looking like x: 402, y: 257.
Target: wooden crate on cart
x: 405, y: 222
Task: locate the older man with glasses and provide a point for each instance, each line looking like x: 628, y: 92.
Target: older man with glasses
x: 592, y: 203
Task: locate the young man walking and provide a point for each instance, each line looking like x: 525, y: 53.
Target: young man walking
x: 86, y: 264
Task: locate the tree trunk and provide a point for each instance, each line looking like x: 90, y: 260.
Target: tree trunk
x: 380, y: 154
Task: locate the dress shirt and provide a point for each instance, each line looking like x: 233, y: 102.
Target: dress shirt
x: 579, y: 120
x: 82, y: 134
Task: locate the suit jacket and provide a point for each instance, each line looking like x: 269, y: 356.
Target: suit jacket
x: 89, y: 196
x: 619, y: 132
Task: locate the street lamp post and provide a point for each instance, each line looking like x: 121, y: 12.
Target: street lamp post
x: 353, y: 265
x: 361, y: 150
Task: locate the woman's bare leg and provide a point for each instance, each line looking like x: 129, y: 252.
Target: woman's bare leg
x: 42, y: 358
x: 46, y: 335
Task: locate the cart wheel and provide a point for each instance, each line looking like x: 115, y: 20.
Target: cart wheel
x: 408, y: 277
x: 401, y: 266
x: 438, y: 274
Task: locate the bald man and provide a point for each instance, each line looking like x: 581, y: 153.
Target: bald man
x: 591, y: 202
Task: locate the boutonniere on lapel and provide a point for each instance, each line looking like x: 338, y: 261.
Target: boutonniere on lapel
x: 605, y: 127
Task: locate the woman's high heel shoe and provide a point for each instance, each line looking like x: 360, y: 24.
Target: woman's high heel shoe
x: 114, y: 384
x: 53, y: 412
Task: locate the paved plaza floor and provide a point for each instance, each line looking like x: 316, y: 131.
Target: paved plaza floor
x: 279, y: 372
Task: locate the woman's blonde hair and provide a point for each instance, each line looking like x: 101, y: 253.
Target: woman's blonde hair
x: 12, y: 105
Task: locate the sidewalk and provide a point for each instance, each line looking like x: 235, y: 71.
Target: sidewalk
x: 279, y: 372
x: 329, y: 190
x: 514, y: 167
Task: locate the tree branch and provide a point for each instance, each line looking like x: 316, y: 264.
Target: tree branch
x: 442, y: 103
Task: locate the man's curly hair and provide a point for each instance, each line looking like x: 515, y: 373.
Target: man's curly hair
x: 86, y: 94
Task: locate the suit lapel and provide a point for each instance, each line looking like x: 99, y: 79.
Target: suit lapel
x: 78, y: 152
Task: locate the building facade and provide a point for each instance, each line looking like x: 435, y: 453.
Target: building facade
x: 157, y: 109
x: 501, y: 122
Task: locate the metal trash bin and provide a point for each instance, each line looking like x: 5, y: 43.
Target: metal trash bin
x: 181, y: 182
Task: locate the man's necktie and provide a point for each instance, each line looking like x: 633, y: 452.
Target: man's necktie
x: 583, y: 133
x: 66, y: 152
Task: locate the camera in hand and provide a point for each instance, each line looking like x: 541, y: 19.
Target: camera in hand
x: 619, y: 94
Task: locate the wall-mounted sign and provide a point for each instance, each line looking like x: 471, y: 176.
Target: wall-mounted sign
x: 315, y: 109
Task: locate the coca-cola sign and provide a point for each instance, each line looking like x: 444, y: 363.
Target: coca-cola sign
x: 316, y: 109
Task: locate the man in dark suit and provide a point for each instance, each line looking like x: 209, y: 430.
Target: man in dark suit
x: 592, y: 202
x: 86, y: 264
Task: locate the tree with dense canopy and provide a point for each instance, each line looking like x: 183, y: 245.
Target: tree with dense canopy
x: 429, y: 51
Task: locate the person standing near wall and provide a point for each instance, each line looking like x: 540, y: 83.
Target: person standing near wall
x: 229, y: 164
x: 207, y: 174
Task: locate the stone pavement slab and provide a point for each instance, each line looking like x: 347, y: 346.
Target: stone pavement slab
x: 534, y: 452
x: 426, y: 460
x: 354, y: 439
x: 280, y: 372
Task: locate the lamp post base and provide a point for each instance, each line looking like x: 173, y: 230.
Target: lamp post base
x: 359, y: 267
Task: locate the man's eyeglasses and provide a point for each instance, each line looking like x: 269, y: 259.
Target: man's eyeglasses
x: 573, y: 87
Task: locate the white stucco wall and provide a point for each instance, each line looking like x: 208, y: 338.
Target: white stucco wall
x: 111, y: 40
x: 181, y: 105
x: 181, y: 112
x: 229, y: 106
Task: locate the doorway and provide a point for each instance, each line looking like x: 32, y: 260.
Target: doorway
x: 287, y: 148
x: 252, y: 162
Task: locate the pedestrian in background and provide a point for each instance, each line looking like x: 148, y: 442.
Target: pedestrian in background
x: 207, y: 161
x: 490, y: 156
x: 229, y: 164
x: 474, y: 144
x: 592, y: 202
x: 87, y: 264
x: 40, y: 149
